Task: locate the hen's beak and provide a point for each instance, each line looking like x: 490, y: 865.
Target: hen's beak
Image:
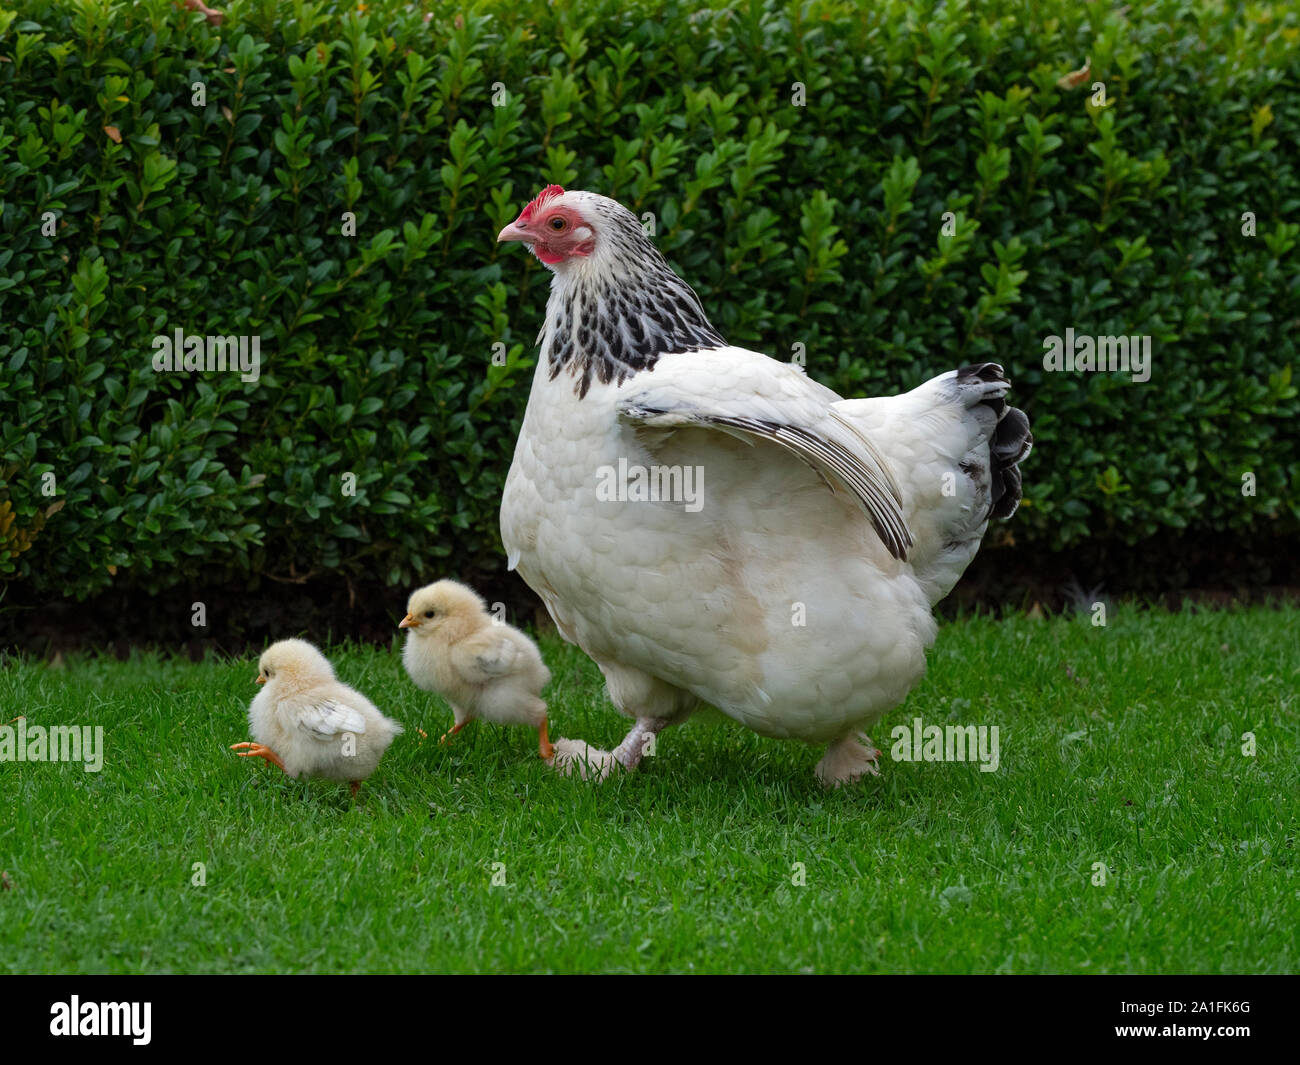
x: 260, y: 679
x: 407, y: 622
x: 514, y: 231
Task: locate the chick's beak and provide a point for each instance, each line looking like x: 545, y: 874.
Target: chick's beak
x: 260, y: 679
x: 407, y: 622
x: 515, y: 231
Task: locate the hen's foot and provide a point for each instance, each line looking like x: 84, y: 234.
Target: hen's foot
x: 848, y: 760
x: 592, y: 763
x: 574, y: 757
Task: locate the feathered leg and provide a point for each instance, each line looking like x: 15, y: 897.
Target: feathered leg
x: 578, y: 756
x: 848, y: 759
x: 653, y: 704
x: 639, y: 741
x: 592, y: 763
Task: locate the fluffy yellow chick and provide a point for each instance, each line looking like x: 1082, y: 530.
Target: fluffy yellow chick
x: 483, y: 667
x: 308, y: 723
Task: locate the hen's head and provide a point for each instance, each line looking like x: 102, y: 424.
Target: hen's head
x: 562, y: 227
x: 291, y: 664
x: 616, y: 306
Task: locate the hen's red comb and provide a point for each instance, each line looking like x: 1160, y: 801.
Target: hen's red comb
x: 548, y: 193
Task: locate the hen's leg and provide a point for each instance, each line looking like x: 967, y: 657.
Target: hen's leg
x: 575, y: 756
x: 848, y: 759
x: 654, y: 704
x: 640, y: 741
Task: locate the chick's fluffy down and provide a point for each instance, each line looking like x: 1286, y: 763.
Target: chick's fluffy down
x: 484, y: 668
x: 318, y: 726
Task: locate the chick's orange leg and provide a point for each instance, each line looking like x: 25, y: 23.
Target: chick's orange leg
x: 256, y: 750
x: 451, y: 732
x: 544, y: 747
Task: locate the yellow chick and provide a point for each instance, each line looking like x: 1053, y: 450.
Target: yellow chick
x: 308, y: 723
x: 482, y: 666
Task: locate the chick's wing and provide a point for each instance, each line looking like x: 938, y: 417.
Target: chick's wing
x: 486, y: 656
x: 324, y: 719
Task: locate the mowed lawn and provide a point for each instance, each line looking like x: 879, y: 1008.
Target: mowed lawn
x: 1119, y: 745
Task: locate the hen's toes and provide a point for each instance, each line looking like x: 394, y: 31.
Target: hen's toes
x: 575, y: 757
x: 848, y: 761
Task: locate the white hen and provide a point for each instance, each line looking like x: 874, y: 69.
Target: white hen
x: 792, y: 587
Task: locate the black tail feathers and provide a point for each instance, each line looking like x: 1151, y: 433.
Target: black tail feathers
x: 1011, y: 441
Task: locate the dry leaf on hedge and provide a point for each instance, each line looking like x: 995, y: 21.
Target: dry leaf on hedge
x: 214, y: 17
x: 1076, y: 78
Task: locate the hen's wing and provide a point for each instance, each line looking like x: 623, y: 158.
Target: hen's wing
x: 753, y: 397
x: 323, y: 719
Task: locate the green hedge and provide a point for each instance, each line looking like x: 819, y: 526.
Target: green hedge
x: 820, y: 225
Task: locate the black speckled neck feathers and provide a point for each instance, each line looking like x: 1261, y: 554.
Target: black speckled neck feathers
x: 623, y: 310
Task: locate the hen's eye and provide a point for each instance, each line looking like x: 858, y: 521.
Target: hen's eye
x: 557, y: 224
x: 430, y: 613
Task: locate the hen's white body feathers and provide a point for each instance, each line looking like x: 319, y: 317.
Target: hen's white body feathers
x: 795, y: 593
x: 775, y: 601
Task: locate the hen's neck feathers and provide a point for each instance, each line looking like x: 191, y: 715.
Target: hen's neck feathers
x: 616, y: 312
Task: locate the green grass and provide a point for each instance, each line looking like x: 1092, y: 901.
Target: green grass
x: 1119, y: 745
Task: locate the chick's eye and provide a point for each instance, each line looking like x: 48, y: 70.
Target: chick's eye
x: 430, y: 613
x: 557, y: 224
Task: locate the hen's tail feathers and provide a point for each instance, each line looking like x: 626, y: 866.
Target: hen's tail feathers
x: 954, y: 443
x: 1011, y: 441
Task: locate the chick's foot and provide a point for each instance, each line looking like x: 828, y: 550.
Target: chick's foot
x: 256, y: 750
